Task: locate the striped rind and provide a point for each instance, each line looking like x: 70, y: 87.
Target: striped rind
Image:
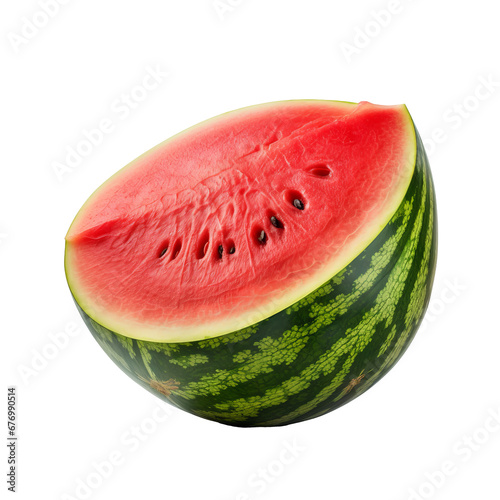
x: 316, y: 355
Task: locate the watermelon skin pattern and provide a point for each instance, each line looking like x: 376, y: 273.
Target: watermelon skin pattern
x: 318, y: 354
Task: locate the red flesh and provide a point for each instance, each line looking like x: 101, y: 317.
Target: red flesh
x: 221, y: 183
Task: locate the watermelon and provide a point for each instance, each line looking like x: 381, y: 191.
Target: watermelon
x: 263, y: 267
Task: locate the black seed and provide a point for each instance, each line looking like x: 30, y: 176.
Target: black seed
x: 298, y: 204
x: 221, y: 249
x: 276, y: 222
x: 232, y: 250
x: 163, y: 252
x: 176, y: 250
x: 262, y: 237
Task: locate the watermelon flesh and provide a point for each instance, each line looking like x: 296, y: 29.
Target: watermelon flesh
x: 232, y: 221
x: 264, y: 267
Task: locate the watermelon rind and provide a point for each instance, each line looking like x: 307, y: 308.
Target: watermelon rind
x: 318, y: 353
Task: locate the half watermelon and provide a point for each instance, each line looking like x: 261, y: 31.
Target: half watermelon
x: 265, y: 266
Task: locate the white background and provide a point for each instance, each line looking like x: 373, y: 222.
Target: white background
x: 76, y: 408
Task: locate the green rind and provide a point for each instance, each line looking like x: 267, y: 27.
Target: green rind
x: 318, y: 354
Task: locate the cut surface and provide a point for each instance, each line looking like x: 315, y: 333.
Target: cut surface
x: 239, y: 217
